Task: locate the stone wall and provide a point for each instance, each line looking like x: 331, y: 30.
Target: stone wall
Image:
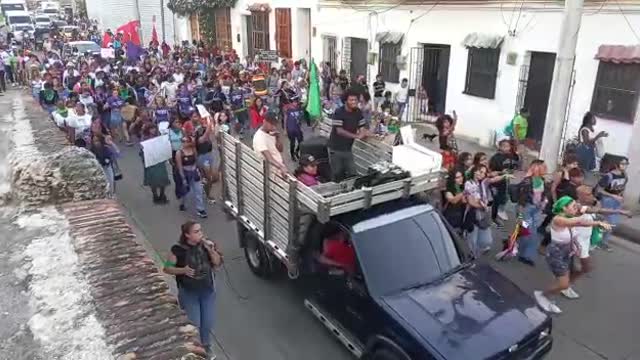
x: 133, y: 303
x: 141, y: 317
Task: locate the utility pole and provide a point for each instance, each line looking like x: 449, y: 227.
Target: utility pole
x: 632, y: 191
x: 164, y: 32
x: 561, y: 86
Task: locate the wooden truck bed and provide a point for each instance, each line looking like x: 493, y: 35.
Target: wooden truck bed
x: 271, y: 205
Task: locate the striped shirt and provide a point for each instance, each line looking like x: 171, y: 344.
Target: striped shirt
x: 351, y: 121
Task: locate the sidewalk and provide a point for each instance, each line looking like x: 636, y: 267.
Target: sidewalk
x: 629, y: 229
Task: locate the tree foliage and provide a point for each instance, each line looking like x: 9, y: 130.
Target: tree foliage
x: 196, y: 7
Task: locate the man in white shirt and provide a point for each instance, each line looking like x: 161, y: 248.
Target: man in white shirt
x: 402, y: 97
x: 169, y: 89
x: 267, y: 142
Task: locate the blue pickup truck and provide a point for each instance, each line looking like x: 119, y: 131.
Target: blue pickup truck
x: 380, y: 267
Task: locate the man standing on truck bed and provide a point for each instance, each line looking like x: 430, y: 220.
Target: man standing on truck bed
x: 346, y: 126
x: 267, y: 142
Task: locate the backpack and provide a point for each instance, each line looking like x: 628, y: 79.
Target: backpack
x: 197, y: 258
x: 514, y: 192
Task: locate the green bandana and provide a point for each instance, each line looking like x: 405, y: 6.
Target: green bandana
x: 63, y: 112
x: 537, y: 182
x: 560, y: 204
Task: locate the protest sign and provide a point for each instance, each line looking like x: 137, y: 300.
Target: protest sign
x: 156, y: 150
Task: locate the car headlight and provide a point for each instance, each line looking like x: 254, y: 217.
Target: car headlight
x: 545, y: 333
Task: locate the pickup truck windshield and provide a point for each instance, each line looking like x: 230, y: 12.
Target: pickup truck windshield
x: 407, y: 253
x: 19, y: 20
x: 82, y: 48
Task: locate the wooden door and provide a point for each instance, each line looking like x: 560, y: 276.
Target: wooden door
x: 260, y: 32
x: 222, y: 23
x: 283, y: 32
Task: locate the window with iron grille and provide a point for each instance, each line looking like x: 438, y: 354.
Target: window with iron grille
x: 615, y: 93
x: 388, y: 67
x: 260, y: 31
x: 283, y: 32
x: 222, y: 22
x: 482, y: 71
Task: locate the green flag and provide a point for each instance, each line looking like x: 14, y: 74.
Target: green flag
x: 314, y: 101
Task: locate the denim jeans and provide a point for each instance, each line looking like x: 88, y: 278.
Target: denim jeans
x: 195, y: 189
x: 610, y: 203
x: 479, y: 239
x: 401, y: 107
x: 200, y: 308
x: 342, y: 165
x: 528, y: 245
x: 108, y: 172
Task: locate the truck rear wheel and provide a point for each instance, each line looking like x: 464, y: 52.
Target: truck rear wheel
x: 257, y: 256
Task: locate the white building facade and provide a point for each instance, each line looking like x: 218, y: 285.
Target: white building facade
x: 487, y: 61
x: 112, y: 14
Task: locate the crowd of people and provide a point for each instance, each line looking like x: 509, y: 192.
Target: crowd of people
x: 105, y: 104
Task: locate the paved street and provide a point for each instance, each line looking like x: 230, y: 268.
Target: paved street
x: 266, y: 320
x: 277, y: 326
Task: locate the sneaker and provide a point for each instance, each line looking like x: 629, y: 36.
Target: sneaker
x: 503, y: 215
x: 606, y: 247
x: 554, y: 309
x: 211, y: 201
x: 542, y: 301
x: 569, y: 293
x: 202, y: 214
x: 526, y: 261
x: 594, y: 247
x: 497, y: 223
x: 182, y: 207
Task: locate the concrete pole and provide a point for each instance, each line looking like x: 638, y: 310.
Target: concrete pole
x: 561, y: 86
x: 632, y: 191
x: 164, y: 30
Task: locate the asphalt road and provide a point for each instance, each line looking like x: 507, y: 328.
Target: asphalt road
x: 273, y: 325
x: 266, y: 319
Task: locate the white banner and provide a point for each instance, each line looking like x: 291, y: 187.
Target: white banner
x: 107, y: 53
x: 203, y: 111
x: 156, y: 150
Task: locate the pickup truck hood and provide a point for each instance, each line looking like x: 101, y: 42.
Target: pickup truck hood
x: 473, y: 314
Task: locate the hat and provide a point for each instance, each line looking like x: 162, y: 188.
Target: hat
x: 306, y: 160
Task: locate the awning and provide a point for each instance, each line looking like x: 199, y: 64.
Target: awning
x: 387, y: 37
x: 482, y: 40
x: 619, y: 54
x: 259, y: 7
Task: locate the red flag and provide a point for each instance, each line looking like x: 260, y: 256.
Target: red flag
x: 130, y: 32
x: 106, y: 39
x: 154, y: 33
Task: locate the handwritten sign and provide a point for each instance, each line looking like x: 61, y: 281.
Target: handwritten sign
x: 202, y: 111
x: 268, y: 55
x: 107, y: 53
x: 156, y: 150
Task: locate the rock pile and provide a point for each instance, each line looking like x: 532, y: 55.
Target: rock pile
x: 70, y: 174
x: 141, y: 318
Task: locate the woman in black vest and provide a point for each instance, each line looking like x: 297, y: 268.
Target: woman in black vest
x: 192, y: 261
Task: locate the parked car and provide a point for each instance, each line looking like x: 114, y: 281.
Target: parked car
x: 43, y: 21
x: 81, y: 47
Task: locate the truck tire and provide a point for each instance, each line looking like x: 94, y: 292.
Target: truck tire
x: 384, y: 354
x: 256, y: 256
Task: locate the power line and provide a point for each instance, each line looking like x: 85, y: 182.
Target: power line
x: 420, y: 16
x: 515, y: 27
x: 628, y: 22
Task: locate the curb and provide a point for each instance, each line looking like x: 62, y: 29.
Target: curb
x: 627, y: 232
